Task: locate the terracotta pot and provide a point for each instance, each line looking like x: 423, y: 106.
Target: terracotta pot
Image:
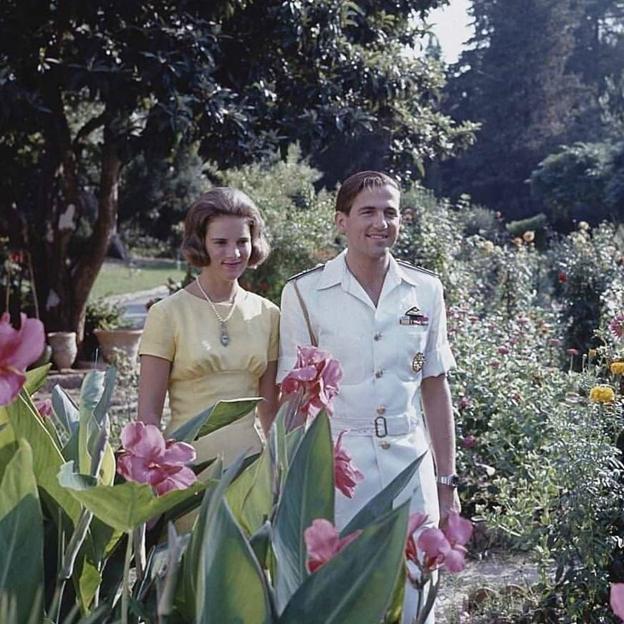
x: 64, y: 348
x: 123, y: 340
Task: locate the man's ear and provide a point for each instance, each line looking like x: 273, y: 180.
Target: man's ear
x: 339, y: 219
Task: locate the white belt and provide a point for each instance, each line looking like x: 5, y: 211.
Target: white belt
x: 379, y: 427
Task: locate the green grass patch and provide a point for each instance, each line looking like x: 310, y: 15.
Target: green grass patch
x: 119, y: 278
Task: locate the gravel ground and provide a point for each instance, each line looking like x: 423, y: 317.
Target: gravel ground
x: 487, y: 575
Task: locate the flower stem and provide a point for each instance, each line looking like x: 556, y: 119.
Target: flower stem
x: 125, y: 593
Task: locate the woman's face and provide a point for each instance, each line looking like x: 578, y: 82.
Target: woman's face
x: 228, y: 244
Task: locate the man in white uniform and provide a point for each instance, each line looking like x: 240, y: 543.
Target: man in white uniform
x: 385, y: 322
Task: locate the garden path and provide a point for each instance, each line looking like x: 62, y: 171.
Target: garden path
x: 479, y: 580
x: 133, y: 307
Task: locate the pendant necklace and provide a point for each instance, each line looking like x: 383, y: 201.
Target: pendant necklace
x: 224, y: 337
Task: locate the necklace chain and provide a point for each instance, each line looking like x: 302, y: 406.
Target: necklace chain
x: 224, y: 335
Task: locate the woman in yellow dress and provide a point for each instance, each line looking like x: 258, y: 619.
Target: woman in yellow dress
x: 213, y: 340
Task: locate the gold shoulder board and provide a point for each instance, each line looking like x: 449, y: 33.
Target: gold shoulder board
x: 306, y: 272
x: 416, y: 268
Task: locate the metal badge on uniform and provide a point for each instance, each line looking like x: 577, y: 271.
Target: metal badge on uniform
x: 417, y: 362
x: 414, y: 316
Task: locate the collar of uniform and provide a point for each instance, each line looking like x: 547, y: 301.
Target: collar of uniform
x: 402, y: 272
x: 333, y: 271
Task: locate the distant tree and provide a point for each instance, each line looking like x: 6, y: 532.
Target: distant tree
x: 533, y: 77
x: 85, y: 86
x: 571, y: 183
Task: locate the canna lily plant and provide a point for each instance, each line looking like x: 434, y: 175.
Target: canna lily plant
x: 88, y: 532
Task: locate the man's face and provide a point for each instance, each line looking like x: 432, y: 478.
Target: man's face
x: 372, y: 225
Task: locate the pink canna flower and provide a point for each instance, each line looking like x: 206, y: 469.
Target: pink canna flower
x: 445, y: 548
x: 44, y: 408
x: 147, y: 458
x: 346, y: 474
x: 434, y: 546
x: 18, y: 349
x: 617, y: 599
x: 323, y: 542
x: 318, y: 375
x: 416, y: 520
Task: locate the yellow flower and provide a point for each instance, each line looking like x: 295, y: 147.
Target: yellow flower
x: 488, y: 247
x: 592, y: 353
x: 617, y: 368
x: 583, y: 225
x: 528, y: 236
x: 602, y: 394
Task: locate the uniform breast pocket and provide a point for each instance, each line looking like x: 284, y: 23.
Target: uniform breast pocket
x: 412, y: 343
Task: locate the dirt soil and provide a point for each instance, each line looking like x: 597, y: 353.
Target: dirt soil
x: 493, y: 573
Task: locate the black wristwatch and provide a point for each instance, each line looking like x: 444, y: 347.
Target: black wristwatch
x: 450, y: 480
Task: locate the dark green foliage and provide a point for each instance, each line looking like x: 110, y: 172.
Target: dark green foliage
x: 84, y: 88
x: 572, y: 184
x: 535, y: 77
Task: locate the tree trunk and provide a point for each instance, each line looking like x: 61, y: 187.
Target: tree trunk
x: 65, y: 276
x: 90, y: 263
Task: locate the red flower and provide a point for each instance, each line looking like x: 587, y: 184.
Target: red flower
x: 469, y: 441
x: 616, y: 326
x: 617, y: 599
x: 323, y: 542
x: 18, y: 349
x: 346, y: 474
x: 562, y: 277
x: 464, y: 403
x: 317, y: 374
x: 147, y: 458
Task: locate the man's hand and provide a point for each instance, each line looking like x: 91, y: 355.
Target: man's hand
x: 449, y: 501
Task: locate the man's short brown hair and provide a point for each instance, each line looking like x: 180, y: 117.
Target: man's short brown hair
x: 222, y: 201
x: 358, y: 182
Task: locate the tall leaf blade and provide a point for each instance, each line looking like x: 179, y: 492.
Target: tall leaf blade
x: 308, y: 494
x: 123, y: 507
x: 218, y: 415
x: 188, y: 587
x: 47, y: 458
x: 250, y: 496
x: 21, y: 533
x: 66, y: 414
x: 35, y: 378
x: 356, y: 586
x: 230, y: 582
x: 382, y: 502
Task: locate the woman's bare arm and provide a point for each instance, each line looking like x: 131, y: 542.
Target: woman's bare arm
x: 153, y: 383
x: 269, y: 392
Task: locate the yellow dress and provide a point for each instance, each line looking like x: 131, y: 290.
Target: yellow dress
x: 184, y: 330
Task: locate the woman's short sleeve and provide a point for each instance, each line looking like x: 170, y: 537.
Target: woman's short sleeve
x: 158, y: 336
x: 274, y: 338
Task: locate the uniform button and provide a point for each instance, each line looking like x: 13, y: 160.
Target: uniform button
x: 379, y: 374
x: 381, y: 410
x: 384, y: 445
x: 377, y: 336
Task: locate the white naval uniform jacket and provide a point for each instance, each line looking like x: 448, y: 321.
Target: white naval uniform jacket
x: 383, y: 363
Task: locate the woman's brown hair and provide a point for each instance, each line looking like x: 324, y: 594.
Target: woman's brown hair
x: 222, y: 201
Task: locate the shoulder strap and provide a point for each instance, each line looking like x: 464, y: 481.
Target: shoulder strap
x: 306, y: 316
